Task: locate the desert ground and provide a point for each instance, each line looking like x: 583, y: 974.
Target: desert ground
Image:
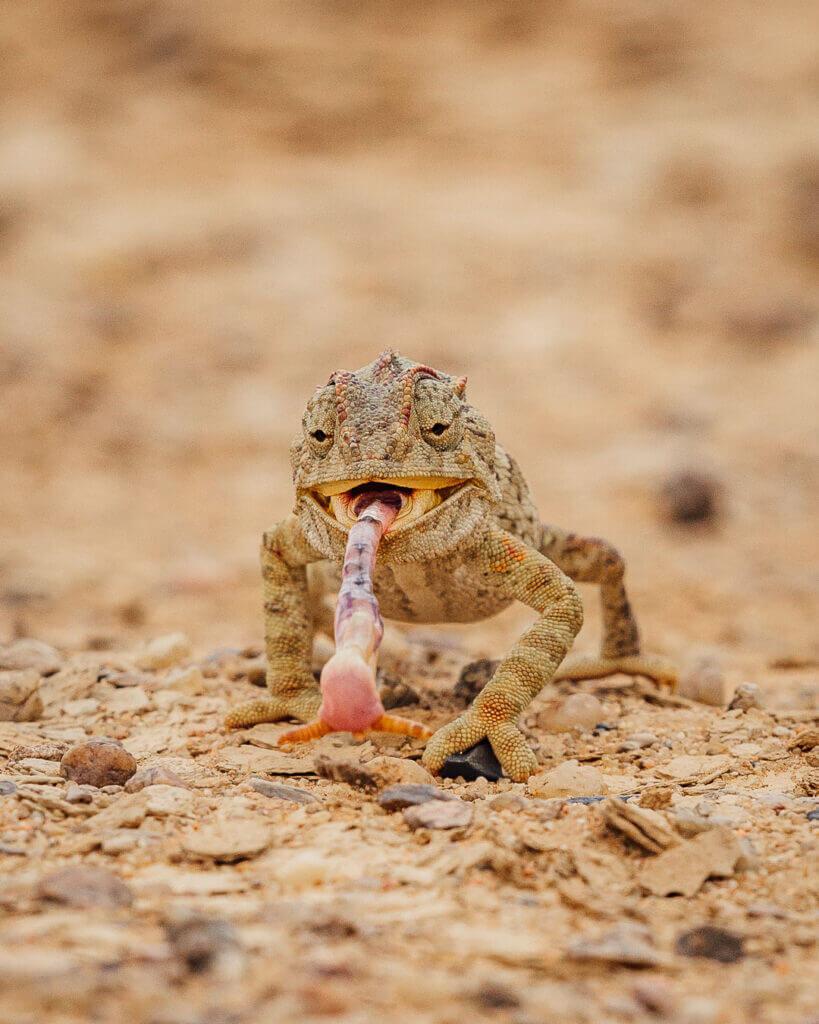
x: 607, y: 217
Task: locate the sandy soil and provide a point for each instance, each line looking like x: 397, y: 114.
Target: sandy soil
x: 608, y: 218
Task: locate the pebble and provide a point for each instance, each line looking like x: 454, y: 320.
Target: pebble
x: 20, y: 700
x: 205, y: 944
x: 30, y: 654
x: 476, y: 762
x: 84, y: 886
x: 813, y: 815
x: 228, y: 841
x: 628, y: 943
x: 396, y: 798
x: 75, y: 794
x: 473, y: 678
x: 711, y: 943
x: 7, y: 787
x: 439, y: 814
x: 278, y: 791
x: 164, y: 652
x: 510, y: 801
x: 186, y: 680
x: 124, y: 679
x: 98, y: 762
x: 704, y: 681
x: 689, y: 497
x: 577, y: 711
x: 372, y: 776
x: 395, y: 693
x: 569, y: 779
x: 156, y: 775
x: 746, y: 696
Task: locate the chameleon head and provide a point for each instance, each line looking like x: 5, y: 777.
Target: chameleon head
x: 405, y: 428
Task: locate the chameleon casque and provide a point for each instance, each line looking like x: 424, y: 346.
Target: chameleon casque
x: 466, y: 543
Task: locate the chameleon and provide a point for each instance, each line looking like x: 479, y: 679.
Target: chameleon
x: 462, y: 541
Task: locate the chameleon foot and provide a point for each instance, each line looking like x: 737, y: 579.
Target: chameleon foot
x: 272, y: 709
x: 510, y: 746
x: 662, y: 671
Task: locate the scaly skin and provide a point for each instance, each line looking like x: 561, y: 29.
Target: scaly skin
x: 469, y: 545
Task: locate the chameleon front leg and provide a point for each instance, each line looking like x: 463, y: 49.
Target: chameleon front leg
x: 520, y: 572
x: 294, y: 693
x: 591, y: 560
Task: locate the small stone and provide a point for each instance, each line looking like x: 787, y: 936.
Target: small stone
x: 84, y: 886
x: 476, y: 762
x: 7, y: 787
x: 567, y: 780
x: 30, y: 654
x: 577, y: 711
x: 119, y: 842
x: 711, y: 943
x: 493, y: 995
x: 124, y: 679
x: 20, y: 700
x: 156, y: 775
x: 164, y: 652
x: 746, y: 696
x: 439, y: 814
x: 510, y: 801
x: 704, y: 681
x: 98, y: 762
x: 395, y: 693
x: 813, y: 815
x: 205, y: 944
x: 278, y: 791
x: 807, y: 739
x: 228, y: 841
x: 656, y: 797
x: 396, y: 798
x: 643, y: 739
x: 186, y: 680
x: 128, y: 700
x: 75, y: 794
x: 372, y: 776
x: 689, y: 497
x: 629, y: 943
x: 643, y: 826
x: 473, y: 678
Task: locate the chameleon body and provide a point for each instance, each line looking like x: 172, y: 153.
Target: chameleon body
x: 467, y: 542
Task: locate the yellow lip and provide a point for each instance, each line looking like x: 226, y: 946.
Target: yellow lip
x: 415, y: 483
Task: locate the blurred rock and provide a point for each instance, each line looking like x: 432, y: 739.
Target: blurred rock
x: 439, y: 814
x: 84, y: 886
x: 228, y: 841
x: 186, y: 680
x: 646, y: 827
x: 205, y: 944
x: 628, y: 943
x: 75, y: 794
x: 20, y: 700
x: 746, y: 696
x: 164, y: 652
x: 372, y: 776
x: 568, y: 779
x: 397, y: 798
x: 30, y: 654
x: 689, y: 497
x: 473, y: 678
x: 157, y: 775
x: 577, y: 711
x: 278, y: 791
x: 712, y: 944
x: 704, y: 681
x: 684, y: 868
x: 98, y: 762
x: 395, y: 693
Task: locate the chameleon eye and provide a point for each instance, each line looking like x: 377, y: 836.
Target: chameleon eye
x: 319, y: 435
x: 438, y: 428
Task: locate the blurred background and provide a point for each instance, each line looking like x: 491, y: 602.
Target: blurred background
x: 606, y: 215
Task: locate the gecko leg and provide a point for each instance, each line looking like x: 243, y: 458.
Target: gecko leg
x: 520, y: 572
x: 591, y: 560
x: 293, y: 692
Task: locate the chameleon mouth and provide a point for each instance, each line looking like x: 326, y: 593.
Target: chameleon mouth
x: 413, y: 496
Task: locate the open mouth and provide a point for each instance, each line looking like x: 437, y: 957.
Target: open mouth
x: 343, y: 500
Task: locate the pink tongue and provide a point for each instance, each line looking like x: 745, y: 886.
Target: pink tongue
x: 350, y: 700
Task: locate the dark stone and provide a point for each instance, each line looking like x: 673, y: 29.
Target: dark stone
x: 7, y: 787
x: 473, y: 678
x: 278, y: 791
x: 604, y: 727
x: 395, y: 693
x: 85, y: 886
x: 712, y: 944
x: 477, y: 762
x: 409, y: 794
x: 201, y: 942
x: 492, y: 995
x: 814, y: 814
x: 690, y: 497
